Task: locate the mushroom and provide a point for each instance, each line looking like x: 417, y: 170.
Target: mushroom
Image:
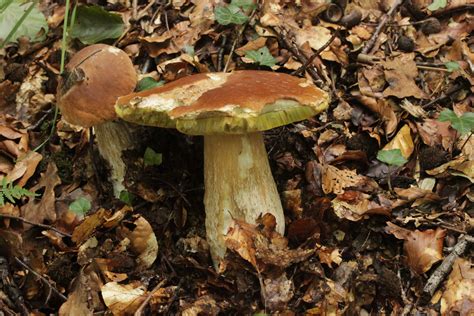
x: 231, y: 110
x: 94, y: 78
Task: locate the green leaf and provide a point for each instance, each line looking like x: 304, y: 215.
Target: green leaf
x: 94, y: 24
x: 244, y: 4
x: 34, y: 26
x: 392, y: 157
x: 437, y: 4
x: 80, y: 206
x: 148, y: 83
x: 463, y: 124
x: 126, y: 197
x: 230, y: 14
x: 452, y: 66
x: 152, y: 158
x: 261, y: 56
x: 12, y: 192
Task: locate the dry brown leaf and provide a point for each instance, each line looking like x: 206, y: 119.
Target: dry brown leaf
x: 459, y: 294
x: 449, y: 165
x: 336, y: 180
x: 292, y: 202
x: 251, y: 45
x: 434, y: 132
x: 9, y: 209
x: 45, y: 209
x: 83, y: 298
x: 400, y: 73
x: 205, y: 305
x: 329, y: 255
x: 354, y: 206
x: 402, y: 141
x: 422, y: 248
x: 24, y: 168
x: 123, y: 299
x: 143, y: 242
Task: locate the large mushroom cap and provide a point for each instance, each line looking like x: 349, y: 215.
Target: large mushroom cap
x: 225, y: 103
x: 95, y: 77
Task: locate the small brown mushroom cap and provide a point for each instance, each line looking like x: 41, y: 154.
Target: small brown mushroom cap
x: 225, y: 103
x: 94, y: 78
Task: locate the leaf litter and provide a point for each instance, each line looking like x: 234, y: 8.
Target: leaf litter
x: 364, y: 234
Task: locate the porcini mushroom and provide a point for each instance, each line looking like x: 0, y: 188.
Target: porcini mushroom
x: 230, y: 110
x: 94, y: 78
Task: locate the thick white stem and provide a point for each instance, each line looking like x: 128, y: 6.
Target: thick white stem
x: 238, y: 185
x: 112, y: 139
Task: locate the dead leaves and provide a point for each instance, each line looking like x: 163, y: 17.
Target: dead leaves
x: 458, y: 296
x: 422, y: 248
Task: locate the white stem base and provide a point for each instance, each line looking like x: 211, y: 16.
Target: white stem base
x: 112, y: 139
x: 238, y: 185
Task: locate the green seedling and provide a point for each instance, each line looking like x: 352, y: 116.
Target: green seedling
x: 463, y: 124
x: 127, y: 197
x: 392, y: 157
x: 452, y: 66
x: 234, y: 13
x: 261, y: 57
x: 437, y: 4
x: 148, y: 83
x: 80, y: 206
x: 152, y: 158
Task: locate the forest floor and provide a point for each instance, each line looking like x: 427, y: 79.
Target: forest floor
x: 377, y: 190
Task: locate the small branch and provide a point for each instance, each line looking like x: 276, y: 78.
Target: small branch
x: 451, y: 91
x: 319, y: 51
x: 42, y: 278
x: 293, y: 48
x: 370, y: 44
x: 44, y: 226
x: 445, y: 267
x: 140, y: 309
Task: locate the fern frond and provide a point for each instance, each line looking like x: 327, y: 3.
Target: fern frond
x: 12, y: 192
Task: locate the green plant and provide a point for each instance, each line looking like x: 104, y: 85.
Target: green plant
x: 437, y: 4
x: 463, y: 124
x: 14, y: 22
x: 126, y: 197
x: 234, y: 13
x: 452, y: 66
x: 262, y: 57
x: 152, y: 158
x: 80, y: 206
x: 148, y: 83
x: 392, y: 157
x: 12, y: 192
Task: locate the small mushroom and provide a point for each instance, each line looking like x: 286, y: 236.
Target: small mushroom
x: 94, y: 78
x: 231, y: 110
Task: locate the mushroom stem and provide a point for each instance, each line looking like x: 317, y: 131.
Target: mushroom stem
x: 238, y: 185
x: 113, y: 137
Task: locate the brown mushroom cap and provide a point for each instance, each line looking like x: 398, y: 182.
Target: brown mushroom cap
x: 94, y: 78
x: 225, y: 103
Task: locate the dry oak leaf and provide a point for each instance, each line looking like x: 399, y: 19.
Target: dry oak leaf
x: 402, y: 141
x: 85, y: 229
x: 123, y: 299
x: 452, y: 164
x: 336, y: 180
x: 45, y: 209
x: 434, y: 132
x: 422, y: 248
x: 459, y: 294
x: 354, y: 206
x: 400, y: 73
x: 143, y: 242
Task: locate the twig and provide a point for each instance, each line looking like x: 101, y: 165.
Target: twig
x: 380, y: 27
x: 291, y: 46
x: 408, y: 305
x: 234, y: 44
x: 134, y: 9
x: 445, y: 267
x: 140, y: 309
x: 42, y: 278
x: 452, y: 90
x: 35, y: 224
x: 463, y: 145
x: 319, y: 51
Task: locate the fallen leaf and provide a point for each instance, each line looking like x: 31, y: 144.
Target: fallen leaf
x: 402, y: 141
x: 336, y: 180
x: 123, y: 299
x: 458, y: 297
x: 45, y: 209
x: 143, y: 242
x: 358, y: 207
x: 85, y: 229
x: 422, y: 248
